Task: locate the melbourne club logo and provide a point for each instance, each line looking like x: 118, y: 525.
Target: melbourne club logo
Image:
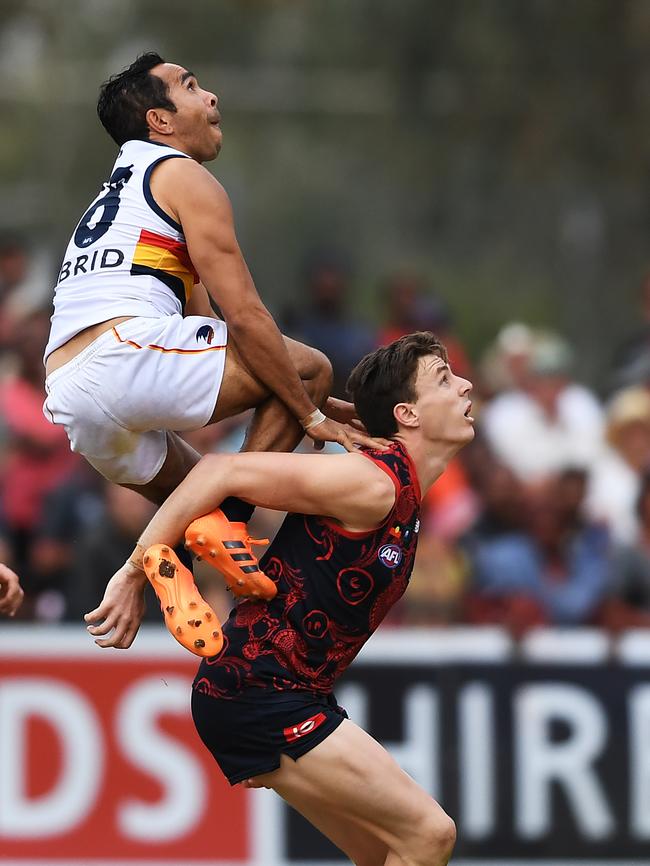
x: 354, y: 585
x: 390, y: 555
x: 295, y: 732
x: 316, y: 624
x: 205, y: 332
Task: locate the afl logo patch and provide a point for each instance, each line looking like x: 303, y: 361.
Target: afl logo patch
x: 390, y: 555
x: 205, y: 332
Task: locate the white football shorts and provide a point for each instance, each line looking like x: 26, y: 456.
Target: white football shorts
x: 119, y: 395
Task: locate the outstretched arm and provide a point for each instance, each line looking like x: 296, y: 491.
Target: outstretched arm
x: 348, y: 487
x: 201, y: 205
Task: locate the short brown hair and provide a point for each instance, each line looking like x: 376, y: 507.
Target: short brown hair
x: 387, y: 377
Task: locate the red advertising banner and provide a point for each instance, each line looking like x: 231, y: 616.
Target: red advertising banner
x: 99, y: 759
x: 540, y: 751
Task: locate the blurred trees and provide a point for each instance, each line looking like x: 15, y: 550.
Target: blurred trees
x: 498, y: 145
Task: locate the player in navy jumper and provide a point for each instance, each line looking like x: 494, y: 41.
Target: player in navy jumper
x: 264, y: 704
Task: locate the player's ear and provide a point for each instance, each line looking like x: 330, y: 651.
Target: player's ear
x: 406, y: 415
x: 160, y: 120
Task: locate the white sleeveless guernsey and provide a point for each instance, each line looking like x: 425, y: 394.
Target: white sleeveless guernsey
x: 127, y: 257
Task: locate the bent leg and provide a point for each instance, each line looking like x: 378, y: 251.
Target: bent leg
x: 273, y: 427
x: 352, y: 778
x: 362, y: 847
x: 181, y: 457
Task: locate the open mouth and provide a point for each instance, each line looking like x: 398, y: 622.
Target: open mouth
x: 467, y: 411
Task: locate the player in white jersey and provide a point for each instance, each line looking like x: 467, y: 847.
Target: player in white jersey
x: 136, y: 351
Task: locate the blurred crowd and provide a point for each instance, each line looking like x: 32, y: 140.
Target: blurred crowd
x: 543, y: 520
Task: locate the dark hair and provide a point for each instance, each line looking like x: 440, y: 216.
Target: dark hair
x: 127, y: 96
x: 387, y: 377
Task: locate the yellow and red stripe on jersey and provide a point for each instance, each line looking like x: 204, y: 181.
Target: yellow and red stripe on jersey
x: 166, y: 259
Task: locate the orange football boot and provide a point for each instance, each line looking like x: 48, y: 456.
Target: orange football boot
x: 187, y: 615
x: 227, y: 547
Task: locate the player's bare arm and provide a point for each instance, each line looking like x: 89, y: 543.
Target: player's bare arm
x: 346, y: 487
x: 338, y: 410
x: 201, y: 205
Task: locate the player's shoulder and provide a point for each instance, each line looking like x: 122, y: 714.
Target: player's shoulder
x: 371, y: 465
x: 394, y: 462
x: 187, y: 181
x: 179, y: 165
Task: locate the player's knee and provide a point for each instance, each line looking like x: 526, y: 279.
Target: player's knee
x: 322, y: 378
x: 437, y: 837
x: 447, y: 838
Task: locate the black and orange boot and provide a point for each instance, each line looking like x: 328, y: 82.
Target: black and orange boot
x: 227, y: 547
x: 189, y: 618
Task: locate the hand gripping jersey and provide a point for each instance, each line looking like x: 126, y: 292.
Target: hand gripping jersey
x: 127, y: 257
x: 334, y: 588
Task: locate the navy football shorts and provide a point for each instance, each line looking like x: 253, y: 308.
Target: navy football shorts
x: 248, y: 733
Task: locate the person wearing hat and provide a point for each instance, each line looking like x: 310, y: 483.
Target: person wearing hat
x: 550, y: 422
x: 616, y: 477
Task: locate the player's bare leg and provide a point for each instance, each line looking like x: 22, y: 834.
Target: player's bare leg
x: 225, y: 544
x: 273, y: 427
x: 181, y: 457
x: 350, y: 778
x: 358, y: 844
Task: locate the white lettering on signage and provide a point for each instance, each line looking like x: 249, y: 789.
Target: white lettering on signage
x: 417, y: 753
x: 540, y: 762
x: 639, y: 704
x: 176, y: 769
x: 477, y: 744
x: 78, y: 730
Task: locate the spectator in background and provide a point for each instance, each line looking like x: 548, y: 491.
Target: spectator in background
x: 69, y: 512
x: 629, y: 603
x: 37, y: 455
x: 102, y: 548
x: 23, y: 290
x: 549, y: 422
x: 326, y: 321
x: 502, y: 504
x: 556, y: 572
x: 616, y: 478
x: 409, y: 308
x: 505, y: 364
x: 14, y: 267
x: 631, y: 365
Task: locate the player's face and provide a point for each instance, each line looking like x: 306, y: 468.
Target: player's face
x: 443, y: 405
x: 196, y: 120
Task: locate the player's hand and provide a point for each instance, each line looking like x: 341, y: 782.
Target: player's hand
x: 347, y: 436
x: 116, y: 621
x: 11, y: 593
